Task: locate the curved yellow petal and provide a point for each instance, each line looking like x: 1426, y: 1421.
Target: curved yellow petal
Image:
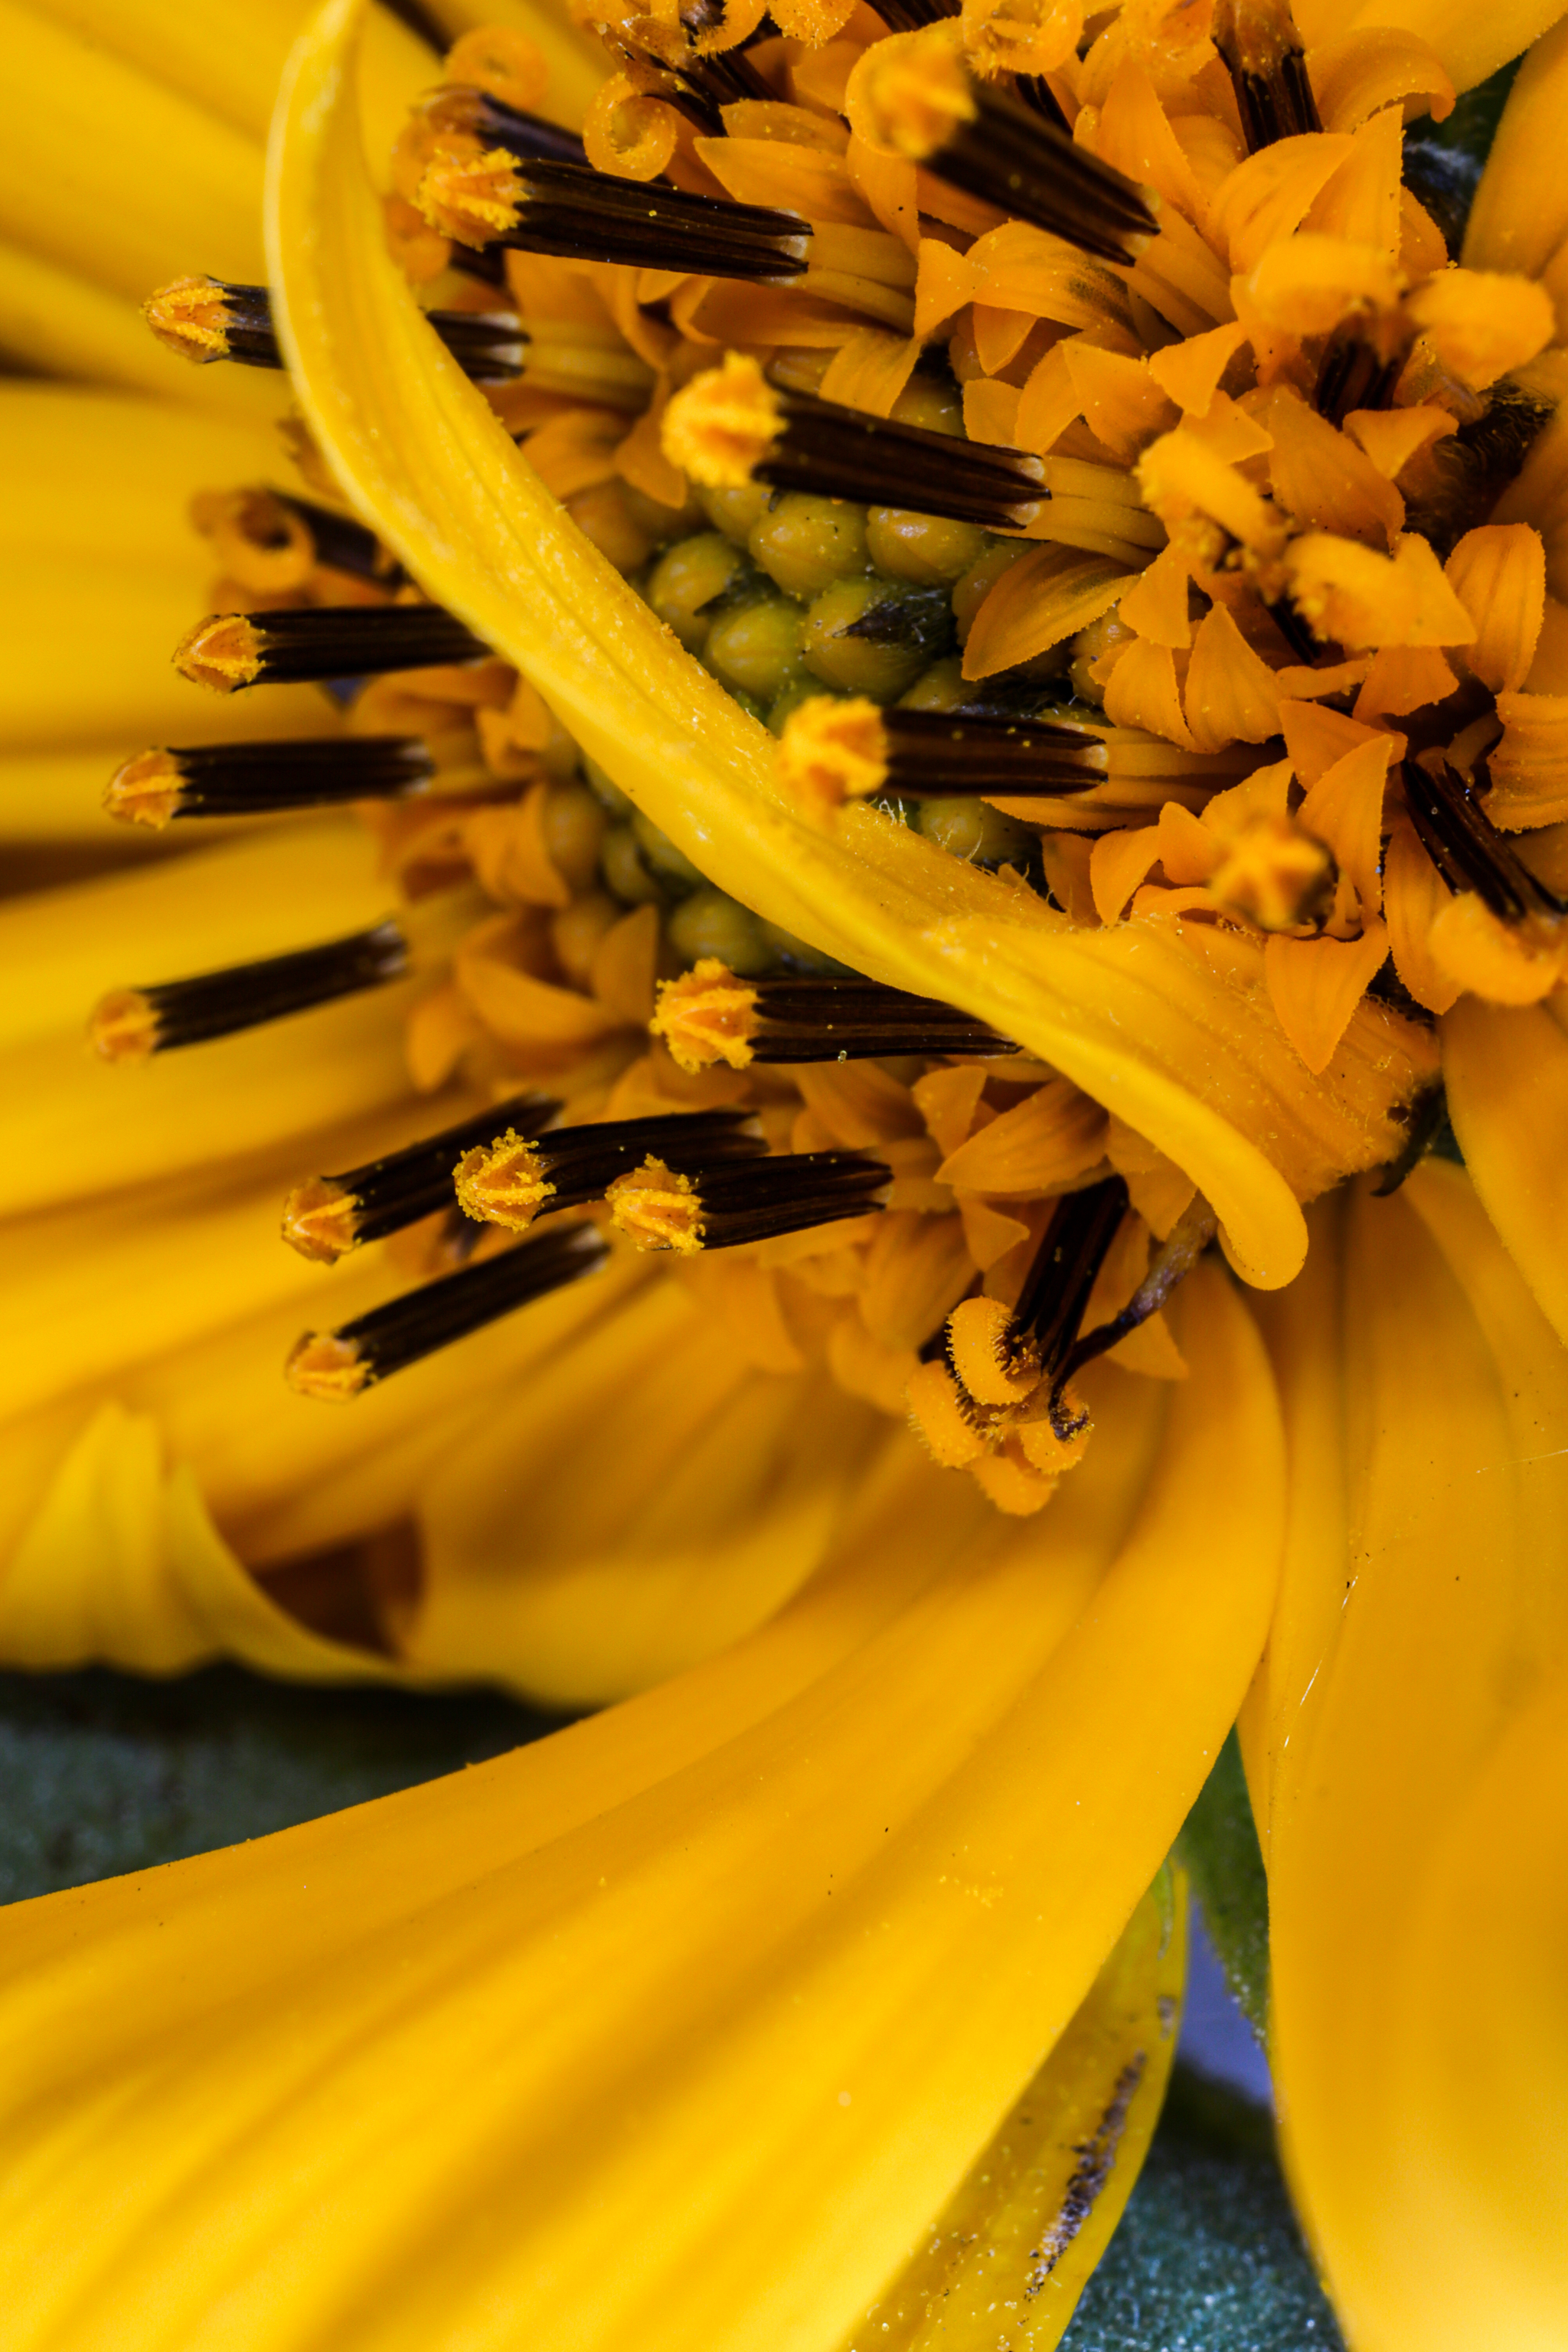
x: 1506, y: 1071
x: 1520, y: 218
x: 226, y: 57
x: 675, y: 2029
x: 120, y: 1565
x: 105, y: 170
x: 1482, y: 2056
x: 1130, y: 1014
x: 1040, y: 2205
x: 1425, y: 1594
x: 1471, y: 42
x: 635, y: 1503
x: 98, y: 474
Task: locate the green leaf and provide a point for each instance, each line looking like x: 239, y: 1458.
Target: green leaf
x: 1218, y: 1844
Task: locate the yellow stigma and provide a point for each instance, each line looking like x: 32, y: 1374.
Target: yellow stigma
x: 833, y: 751
x: 995, y: 1365
x: 470, y: 193
x: 145, y: 790
x: 1274, y: 873
x: 909, y: 93
x: 124, y: 1027
x: 722, y: 424
x: 657, y: 1209
x: 503, y: 1182
x: 189, y: 317
x: 319, y: 1221
x: 223, y: 653
x: 707, y: 1015
x: 321, y: 1365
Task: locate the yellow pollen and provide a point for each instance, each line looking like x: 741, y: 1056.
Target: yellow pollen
x: 190, y: 318
x: 145, y: 790
x: 470, y: 193
x: 657, y: 1209
x: 995, y: 1365
x: 125, y: 1027
x: 503, y: 1184
x: 832, y: 752
x: 723, y: 423
x: 321, y: 1365
x: 943, y: 1418
x: 319, y: 1221
x: 1038, y: 1440
x: 707, y: 1016
x: 222, y: 653
x: 1275, y: 873
x: 909, y: 93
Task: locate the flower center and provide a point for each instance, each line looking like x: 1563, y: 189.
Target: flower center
x: 1081, y: 453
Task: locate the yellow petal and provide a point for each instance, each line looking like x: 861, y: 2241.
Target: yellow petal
x: 1506, y: 1071
x: 72, y: 1126
x: 1316, y: 985
x: 1043, y: 1142
x: 178, y: 1259
x: 643, y: 1497
x: 1037, y: 2209
x: 1423, y: 1596
x: 1471, y: 42
x: 120, y: 1565
x: 810, y: 1916
x: 1479, y: 2059
x: 105, y: 169
x: 1481, y: 322
x: 1520, y: 218
x: 260, y: 896
x: 420, y: 450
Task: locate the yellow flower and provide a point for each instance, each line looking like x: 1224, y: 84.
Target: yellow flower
x: 700, y: 2021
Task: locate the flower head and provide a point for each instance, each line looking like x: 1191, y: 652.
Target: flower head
x: 997, y: 740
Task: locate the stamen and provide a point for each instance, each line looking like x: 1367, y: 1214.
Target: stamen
x: 513, y: 1178
x: 232, y: 650
x: 834, y: 750
x: 719, y: 1207
x: 133, y: 1023
x: 1267, y: 68
x: 1356, y: 373
x: 912, y: 97
x: 337, y: 540
x: 730, y: 427
x: 708, y: 1015
x: 913, y: 15
x: 206, y: 318
x: 1057, y: 1289
x: 253, y: 778
x: 1294, y: 628
x: 336, y: 1365
x: 458, y: 111
x: 327, y: 1216
x: 475, y: 195
x: 1469, y: 851
x: 1171, y: 1263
